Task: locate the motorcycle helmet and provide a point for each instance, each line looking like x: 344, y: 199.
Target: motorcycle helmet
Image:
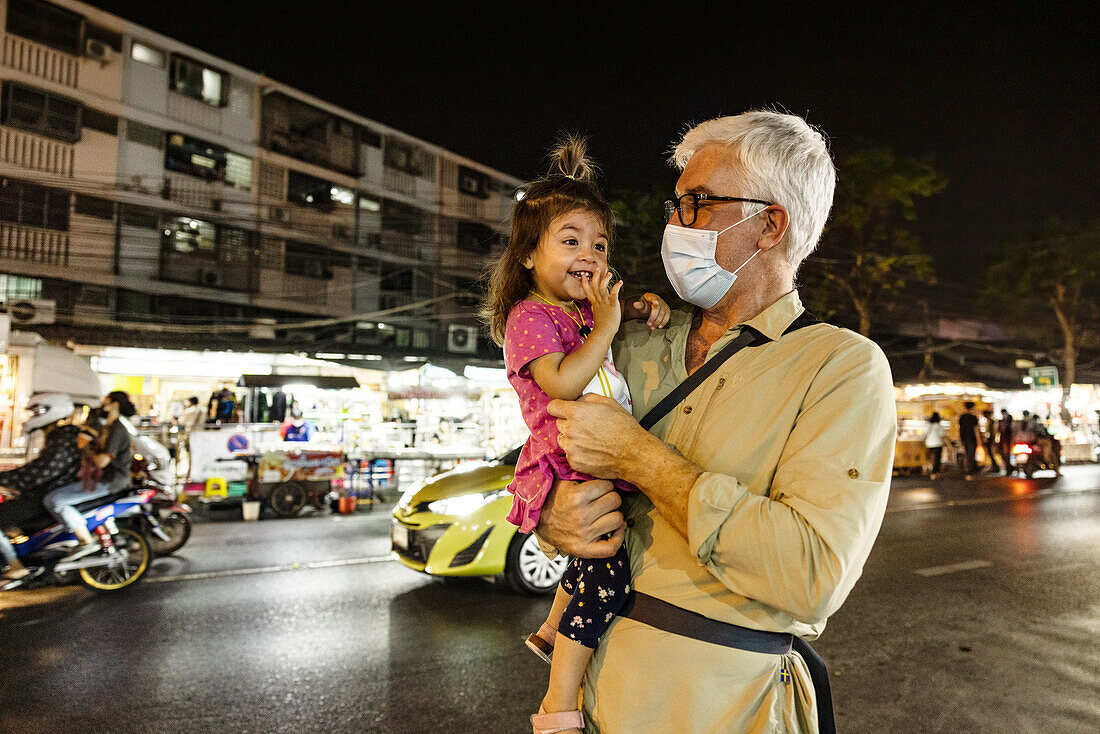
x: 46, y: 409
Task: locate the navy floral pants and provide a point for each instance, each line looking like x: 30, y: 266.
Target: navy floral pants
x: 599, y: 588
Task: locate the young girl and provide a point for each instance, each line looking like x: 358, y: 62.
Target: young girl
x: 554, y: 308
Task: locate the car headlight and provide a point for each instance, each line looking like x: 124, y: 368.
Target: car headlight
x: 465, y: 504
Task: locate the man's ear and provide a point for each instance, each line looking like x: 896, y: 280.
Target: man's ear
x: 776, y: 220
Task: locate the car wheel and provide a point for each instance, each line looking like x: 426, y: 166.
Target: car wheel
x: 528, y: 569
x: 287, y: 499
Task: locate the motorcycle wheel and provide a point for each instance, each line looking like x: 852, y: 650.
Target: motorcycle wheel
x: 177, y: 527
x: 114, y: 578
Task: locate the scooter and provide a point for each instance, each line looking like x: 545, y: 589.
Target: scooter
x: 122, y: 559
x: 164, y: 519
x: 1027, y: 458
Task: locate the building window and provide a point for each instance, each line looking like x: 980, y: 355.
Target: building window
x: 473, y: 183
x: 309, y: 191
x: 311, y: 261
x: 36, y: 206
x: 42, y: 113
x: 474, y: 237
x: 46, y: 23
x: 138, y: 216
x: 194, y: 157
x: 193, y: 79
x: 147, y: 55
x: 93, y: 206
x: 370, y: 137
x: 402, y: 156
x: 238, y: 171
x: 100, y: 121
x: 398, y: 217
x: 396, y: 280
x: 190, y: 236
x: 369, y: 204
x: 15, y: 287
x: 137, y: 132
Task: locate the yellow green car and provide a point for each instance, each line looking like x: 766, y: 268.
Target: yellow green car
x: 453, y: 524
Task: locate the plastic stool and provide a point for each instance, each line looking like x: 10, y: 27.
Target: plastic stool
x: 216, y: 487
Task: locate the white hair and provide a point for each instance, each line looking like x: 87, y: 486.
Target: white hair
x: 783, y: 160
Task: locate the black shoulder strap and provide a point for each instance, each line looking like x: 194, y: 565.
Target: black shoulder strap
x: 749, y: 337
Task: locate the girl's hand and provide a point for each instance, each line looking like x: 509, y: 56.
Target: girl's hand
x: 606, y: 309
x: 652, y: 308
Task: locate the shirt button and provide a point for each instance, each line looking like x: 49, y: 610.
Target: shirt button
x: 853, y: 473
x: 687, y: 410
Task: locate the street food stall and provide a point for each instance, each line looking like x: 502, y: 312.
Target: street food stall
x: 914, y: 406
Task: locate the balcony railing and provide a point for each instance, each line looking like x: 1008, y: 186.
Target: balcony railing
x: 199, y: 114
x: 41, y: 61
x: 33, y: 244
x: 26, y: 150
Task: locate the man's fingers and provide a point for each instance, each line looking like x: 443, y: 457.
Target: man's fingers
x: 561, y: 408
x: 609, y: 523
x: 606, y: 547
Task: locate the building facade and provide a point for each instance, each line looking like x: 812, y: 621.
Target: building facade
x: 152, y: 194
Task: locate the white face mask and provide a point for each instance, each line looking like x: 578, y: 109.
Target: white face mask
x: 688, y: 255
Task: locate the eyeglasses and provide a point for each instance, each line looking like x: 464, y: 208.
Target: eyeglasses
x: 687, y: 206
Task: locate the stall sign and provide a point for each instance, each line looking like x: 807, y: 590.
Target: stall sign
x: 1043, y: 378
x: 304, y: 466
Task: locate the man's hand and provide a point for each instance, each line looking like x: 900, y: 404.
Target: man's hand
x: 597, y: 435
x: 648, y: 306
x: 577, y: 515
x: 9, y: 493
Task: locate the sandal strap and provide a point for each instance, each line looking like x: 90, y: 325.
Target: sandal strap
x: 544, y: 723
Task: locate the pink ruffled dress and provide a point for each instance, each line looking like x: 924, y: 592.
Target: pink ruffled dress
x: 533, y: 330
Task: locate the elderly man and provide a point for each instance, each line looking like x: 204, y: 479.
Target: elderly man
x: 763, y: 489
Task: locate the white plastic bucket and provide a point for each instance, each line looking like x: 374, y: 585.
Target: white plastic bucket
x: 250, y: 510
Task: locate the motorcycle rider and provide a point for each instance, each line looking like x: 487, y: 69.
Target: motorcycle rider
x: 106, y: 470
x: 56, y: 465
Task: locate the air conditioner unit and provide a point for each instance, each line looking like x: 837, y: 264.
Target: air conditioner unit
x: 210, y: 277
x: 462, y: 339
x: 99, y: 51
x: 32, y: 311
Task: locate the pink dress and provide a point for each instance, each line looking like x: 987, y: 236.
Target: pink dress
x: 533, y: 330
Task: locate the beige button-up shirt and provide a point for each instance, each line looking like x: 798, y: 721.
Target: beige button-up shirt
x: 796, y: 438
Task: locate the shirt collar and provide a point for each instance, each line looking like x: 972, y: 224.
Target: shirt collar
x: 774, y: 320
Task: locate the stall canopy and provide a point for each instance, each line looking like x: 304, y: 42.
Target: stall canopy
x: 326, y: 382
x: 57, y: 369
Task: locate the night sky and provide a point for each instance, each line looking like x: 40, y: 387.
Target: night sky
x: 1004, y: 101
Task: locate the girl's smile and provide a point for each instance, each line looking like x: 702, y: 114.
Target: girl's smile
x: 574, y: 248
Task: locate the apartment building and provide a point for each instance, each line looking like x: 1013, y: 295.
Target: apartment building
x: 152, y: 194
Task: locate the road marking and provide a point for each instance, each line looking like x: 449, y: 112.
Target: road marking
x: 953, y: 567
x: 991, y: 500
x: 268, y: 569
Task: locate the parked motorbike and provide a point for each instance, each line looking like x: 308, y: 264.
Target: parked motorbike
x: 123, y: 557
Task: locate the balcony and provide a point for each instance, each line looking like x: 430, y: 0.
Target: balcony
x: 40, y: 61
x: 32, y: 244
x: 193, y: 112
x: 25, y: 150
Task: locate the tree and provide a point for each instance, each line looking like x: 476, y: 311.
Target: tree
x: 636, y: 246
x: 1049, y: 280
x: 869, y: 255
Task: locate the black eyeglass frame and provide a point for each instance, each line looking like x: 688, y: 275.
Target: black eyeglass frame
x: 677, y: 205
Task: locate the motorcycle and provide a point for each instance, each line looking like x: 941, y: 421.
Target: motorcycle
x: 1027, y: 458
x: 164, y: 519
x: 122, y: 559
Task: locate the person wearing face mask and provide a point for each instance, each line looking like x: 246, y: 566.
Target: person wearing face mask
x: 761, y: 443
x: 106, y: 469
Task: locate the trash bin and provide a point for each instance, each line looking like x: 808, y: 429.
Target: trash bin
x: 250, y: 509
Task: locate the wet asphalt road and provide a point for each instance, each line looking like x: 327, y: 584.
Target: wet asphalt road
x: 978, y: 611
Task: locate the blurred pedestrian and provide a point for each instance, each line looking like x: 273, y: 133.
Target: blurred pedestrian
x: 990, y: 442
x: 933, y: 444
x: 1005, y: 431
x: 969, y: 436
